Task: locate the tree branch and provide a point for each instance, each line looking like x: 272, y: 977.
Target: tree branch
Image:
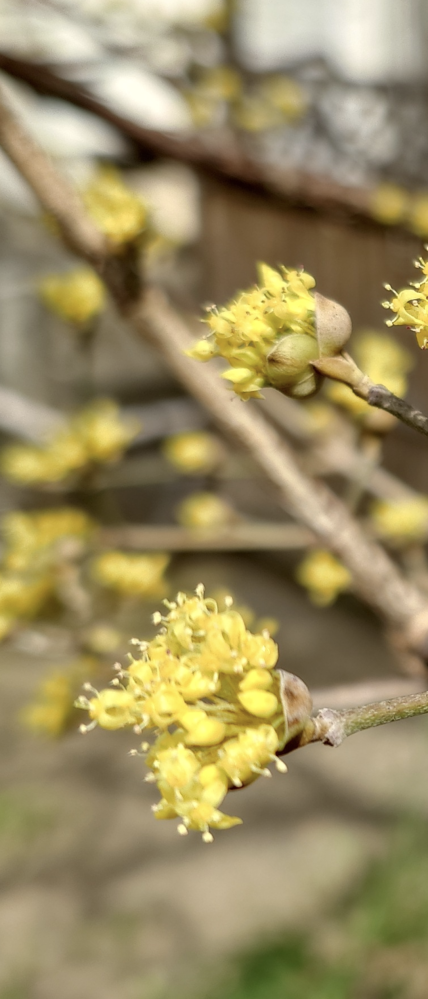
x: 229, y: 164
x: 382, y: 398
x: 333, y: 727
x: 245, y: 536
x: 376, y: 578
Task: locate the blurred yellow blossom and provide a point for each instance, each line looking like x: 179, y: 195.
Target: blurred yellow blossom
x: 323, y: 576
x: 401, y: 521
x: 117, y: 211
x: 77, y: 296
x: 205, y: 510
x: 410, y: 306
x: 22, y: 596
x: 387, y: 363
x: 193, y: 452
x: 52, y: 710
x: 95, y: 435
x: 30, y: 538
x: 102, y: 639
x: 286, y: 95
x: 418, y: 215
x: 389, y: 204
x: 208, y: 688
x: 131, y: 574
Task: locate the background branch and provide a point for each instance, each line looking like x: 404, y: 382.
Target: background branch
x: 230, y: 164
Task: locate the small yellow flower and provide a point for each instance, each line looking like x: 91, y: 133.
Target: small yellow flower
x: 77, y: 296
x: 131, y: 574
x: 193, y: 452
x: 117, y: 211
x: 389, y: 204
x: 207, y: 685
x: 204, y: 510
x: 323, y: 576
x: 112, y: 709
x: 402, y: 521
x: 410, y: 305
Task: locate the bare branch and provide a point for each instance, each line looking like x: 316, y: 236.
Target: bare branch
x: 56, y: 196
x: 333, y: 727
x: 382, y: 398
x: 227, y: 162
x: 26, y: 418
x: 245, y: 536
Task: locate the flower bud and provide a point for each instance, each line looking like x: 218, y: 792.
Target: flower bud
x: 288, y: 366
x: 333, y: 326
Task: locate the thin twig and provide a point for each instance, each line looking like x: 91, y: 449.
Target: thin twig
x: 376, y: 578
x: 382, y: 398
x: 246, y: 536
x: 333, y: 727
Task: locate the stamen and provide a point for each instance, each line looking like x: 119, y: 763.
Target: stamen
x: 281, y: 766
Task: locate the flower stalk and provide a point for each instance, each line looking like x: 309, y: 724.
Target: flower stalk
x: 332, y: 727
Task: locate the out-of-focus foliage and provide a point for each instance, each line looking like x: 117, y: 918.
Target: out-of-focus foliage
x: 92, y: 437
x: 193, y: 452
x: 204, y: 510
x: 401, y: 522
x: 77, y: 296
x: 131, y: 574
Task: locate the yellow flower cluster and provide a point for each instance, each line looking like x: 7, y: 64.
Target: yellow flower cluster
x: 131, y: 574
x: 52, y: 711
x: 193, y: 452
x: 323, y: 576
x: 117, y: 211
x: 410, y: 306
x: 33, y: 543
x: 93, y: 436
x: 208, y: 687
x: 204, y: 510
x: 247, y: 329
x: 387, y: 363
x: 77, y: 296
x: 402, y: 521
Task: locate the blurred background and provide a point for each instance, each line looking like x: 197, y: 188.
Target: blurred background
x: 292, y: 132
